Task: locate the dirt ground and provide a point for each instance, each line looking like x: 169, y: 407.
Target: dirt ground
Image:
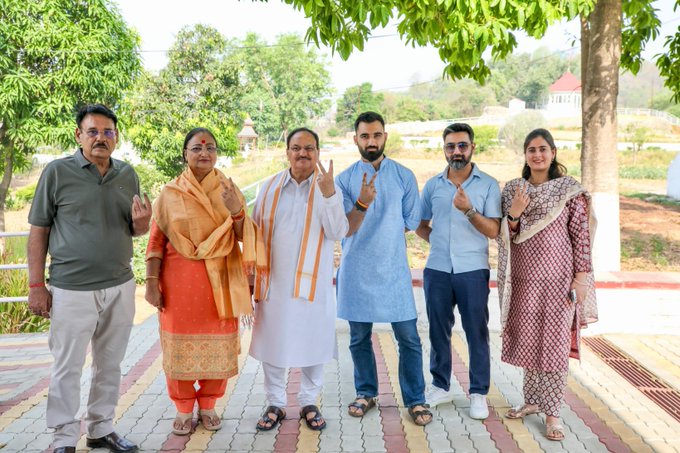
x: 650, y: 235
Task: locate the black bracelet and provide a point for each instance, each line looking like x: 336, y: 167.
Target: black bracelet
x: 359, y: 206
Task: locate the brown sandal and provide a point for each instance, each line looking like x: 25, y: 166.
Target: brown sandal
x: 318, y: 418
x: 267, y: 420
x: 522, y: 411
x: 421, y: 413
x: 363, y: 407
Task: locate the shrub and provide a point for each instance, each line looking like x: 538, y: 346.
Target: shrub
x: 485, y: 137
x: 150, y: 179
x: 14, y: 316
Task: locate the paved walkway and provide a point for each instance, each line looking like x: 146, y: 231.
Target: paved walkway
x: 604, y: 411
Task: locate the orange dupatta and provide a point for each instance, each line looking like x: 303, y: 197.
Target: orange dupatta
x: 193, y: 217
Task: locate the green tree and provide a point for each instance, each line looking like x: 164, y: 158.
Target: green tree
x: 286, y: 83
x: 54, y: 56
x: 463, y: 31
x: 357, y: 99
x: 198, y: 88
x: 528, y: 77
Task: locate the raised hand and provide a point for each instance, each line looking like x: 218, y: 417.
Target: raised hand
x: 520, y: 200
x: 461, y: 200
x: 325, y: 179
x: 368, y: 191
x: 141, y: 213
x: 230, y: 197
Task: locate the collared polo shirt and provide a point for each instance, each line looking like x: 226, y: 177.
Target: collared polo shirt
x: 90, y: 220
x: 455, y: 244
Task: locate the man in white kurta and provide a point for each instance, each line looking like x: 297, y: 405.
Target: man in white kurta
x: 300, y: 215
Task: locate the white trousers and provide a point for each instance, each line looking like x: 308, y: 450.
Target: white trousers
x: 104, y: 318
x: 275, y: 384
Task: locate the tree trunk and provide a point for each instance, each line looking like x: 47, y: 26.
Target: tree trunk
x: 601, y: 56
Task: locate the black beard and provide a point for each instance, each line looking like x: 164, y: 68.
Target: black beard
x: 371, y: 156
x: 458, y: 164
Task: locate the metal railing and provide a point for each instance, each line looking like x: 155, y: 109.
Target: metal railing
x: 12, y: 267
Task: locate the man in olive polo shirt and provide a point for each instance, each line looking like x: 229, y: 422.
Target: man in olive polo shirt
x: 85, y: 211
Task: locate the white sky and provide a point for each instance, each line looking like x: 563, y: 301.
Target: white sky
x: 385, y: 62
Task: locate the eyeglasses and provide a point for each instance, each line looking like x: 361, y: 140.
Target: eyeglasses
x: 451, y: 147
x: 297, y: 149
x: 197, y: 149
x: 108, y: 133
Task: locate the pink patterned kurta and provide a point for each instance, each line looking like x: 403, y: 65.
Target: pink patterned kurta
x: 542, y: 325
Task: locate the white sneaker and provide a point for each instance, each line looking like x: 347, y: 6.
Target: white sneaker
x: 435, y: 396
x: 478, y: 408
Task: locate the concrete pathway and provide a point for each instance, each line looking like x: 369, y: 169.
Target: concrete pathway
x: 604, y: 411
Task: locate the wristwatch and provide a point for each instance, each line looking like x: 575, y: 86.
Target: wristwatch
x: 470, y: 213
x: 511, y: 218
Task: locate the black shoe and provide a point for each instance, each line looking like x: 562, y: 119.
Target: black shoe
x: 113, y: 442
x: 65, y: 450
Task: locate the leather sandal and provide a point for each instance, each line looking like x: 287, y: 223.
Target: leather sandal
x: 522, y: 411
x: 554, y: 431
x: 363, y: 407
x: 318, y: 418
x: 421, y: 413
x: 210, y: 420
x: 181, y: 426
x: 267, y: 420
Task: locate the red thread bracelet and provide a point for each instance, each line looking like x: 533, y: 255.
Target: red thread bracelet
x: 37, y: 285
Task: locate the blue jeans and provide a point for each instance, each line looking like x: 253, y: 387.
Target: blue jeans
x: 470, y: 291
x: 411, y: 377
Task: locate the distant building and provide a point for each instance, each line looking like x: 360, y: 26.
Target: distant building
x: 247, y: 138
x: 564, y: 97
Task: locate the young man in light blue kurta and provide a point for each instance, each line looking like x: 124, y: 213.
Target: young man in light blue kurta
x: 374, y: 280
x: 460, y: 212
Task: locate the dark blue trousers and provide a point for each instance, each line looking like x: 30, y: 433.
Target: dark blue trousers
x: 470, y: 292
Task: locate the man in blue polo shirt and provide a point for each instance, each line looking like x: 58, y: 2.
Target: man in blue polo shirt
x: 460, y: 212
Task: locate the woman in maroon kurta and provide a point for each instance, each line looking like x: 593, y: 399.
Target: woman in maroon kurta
x: 544, y: 255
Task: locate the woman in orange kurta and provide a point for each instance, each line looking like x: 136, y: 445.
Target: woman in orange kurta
x: 195, y: 277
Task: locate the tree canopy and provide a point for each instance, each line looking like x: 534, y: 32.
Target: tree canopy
x: 199, y: 87
x: 54, y: 56
x: 214, y: 82
x: 287, y: 83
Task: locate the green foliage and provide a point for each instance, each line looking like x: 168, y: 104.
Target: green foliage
x: 639, y: 172
x: 19, y: 198
x: 54, y: 56
x: 151, y: 181
x: 462, y: 31
x: 199, y: 88
x: 333, y: 132
x: 139, y: 258
x: 485, y: 137
x: 14, y: 316
x: 527, y: 77
x: 394, y: 142
x: 518, y: 127
x: 285, y: 84
x: 355, y: 100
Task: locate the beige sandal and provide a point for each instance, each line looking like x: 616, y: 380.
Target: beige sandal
x: 210, y: 420
x: 554, y: 431
x: 182, y: 423
x: 522, y: 411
